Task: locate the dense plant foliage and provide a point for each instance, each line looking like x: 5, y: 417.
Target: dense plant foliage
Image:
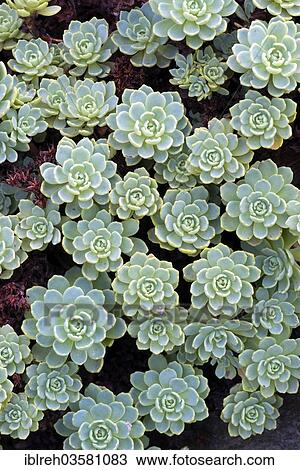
x: 177, y: 228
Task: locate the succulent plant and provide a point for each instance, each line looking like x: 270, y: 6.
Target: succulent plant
x: 195, y: 21
x: 11, y: 254
x: 82, y: 177
x: 57, y: 50
x: 199, y: 88
x: 202, y: 73
x: 267, y: 56
x: 213, y: 71
x: 169, y: 395
x: 7, y: 90
x: 262, y: 121
x: 135, y: 37
x: 148, y: 125
x: 271, y: 367
x: 26, y: 8
x: 97, y: 241
x: 217, y: 154
x: 174, y: 171
x: 102, y: 421
x: 159, y: 332
x: 9, y: 197
x: 221, y: 280
x: 86, y: 45
x: 135, y: 196
x: 86, y: 106
x: 186, y: 66
x: 14, y: 351
x: 285, y: 9
x: 145, y: 284
x: 7, y: 144
x: 187, y: 221
x: 6, y: 387
x: 213, y: 339
x: 25, y: 94
x: 53, y: 389
x: 52, y: 93
x: 279, y: 269
x: 37, y: 227
x: 10, y: 24
x: 71, y: 319
x: 273, y: 313
x: 19, y: 417
x: 249, y: 414
x: 293, y: 221
x: 32, y: 59
x: 21, y: 125
x: 256, y: 206
x: 226, y: 366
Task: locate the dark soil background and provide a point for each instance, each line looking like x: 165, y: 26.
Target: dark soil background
x: 124, y: 358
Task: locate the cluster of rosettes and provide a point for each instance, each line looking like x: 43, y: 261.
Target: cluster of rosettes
x: 201, y: 73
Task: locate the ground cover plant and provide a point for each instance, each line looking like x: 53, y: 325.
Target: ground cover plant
x: 149, y: 223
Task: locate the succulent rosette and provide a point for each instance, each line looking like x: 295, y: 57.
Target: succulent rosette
x: 135, y: 196
x: 25, y: 94
x: 26, y: 8
x: 214, y: 339
x: 21, y: 125
x: 32, y: 59
x: 148, y: 125
x: 71, y: 319
x: 53, y: 389
x: 195, y: 21
x: 14, y: 351
x: 187, y: 221
x: 249, y: 414
x: 7, y: 90
x: 262, y: 121
x: 37, y: 227
x: 174, y: 171
x: 279, y: 269
x: 144, y: 284
x: 82, y: 176
x: 102, y: 421
x: 159, y: 332
x: 135, y: 37
x: 222, y: 280
x: 256, y: 207
x: 11, y: 253
x: 19, y: 417
x: 87, y: 46
x: 9, y: 197
x: 52, y: 93
x: 272, y: 367
x: 85, y: 107
x: 273, y: 313
x: 169, y: 395
x: 267, y: 55
x: 97, y: 241
x: 6, y: 387
x: 217, y: 154
x: 10, y: 25
x: 286, y: 8
x: 293, y: 221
